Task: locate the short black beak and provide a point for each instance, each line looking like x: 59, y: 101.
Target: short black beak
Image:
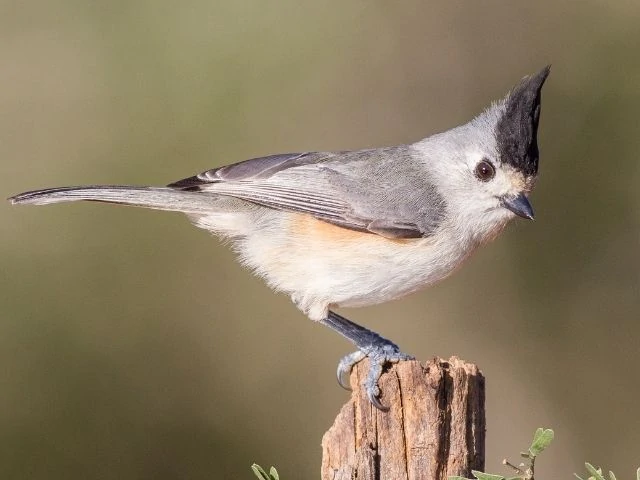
x: 519, y: 205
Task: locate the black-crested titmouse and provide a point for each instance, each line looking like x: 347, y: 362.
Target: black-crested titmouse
x: 348, y: 229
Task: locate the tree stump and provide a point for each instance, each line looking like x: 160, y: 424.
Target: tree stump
x: 435, y: 426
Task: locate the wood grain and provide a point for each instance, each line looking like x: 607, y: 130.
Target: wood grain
x: 435, y: 426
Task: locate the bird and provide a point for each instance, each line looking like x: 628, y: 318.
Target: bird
x: 362, y: 227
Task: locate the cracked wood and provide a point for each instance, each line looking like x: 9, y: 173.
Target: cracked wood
x: 435, y: 426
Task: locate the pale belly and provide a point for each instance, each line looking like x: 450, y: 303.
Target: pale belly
x: 321, y: 265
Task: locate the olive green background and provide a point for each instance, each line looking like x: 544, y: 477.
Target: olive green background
x: 133, y: 346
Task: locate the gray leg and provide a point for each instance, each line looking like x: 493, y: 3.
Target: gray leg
x: 379, y: 350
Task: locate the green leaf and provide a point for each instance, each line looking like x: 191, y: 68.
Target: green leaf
x: 259, y: 472
x: 486, y: 476
x: 457, y: 477
x: 597, y: 474
x: 541, y: 440
x: 579, y: 477
x: 638, y: 474
x: 612, y: 476
x: 262, y: 475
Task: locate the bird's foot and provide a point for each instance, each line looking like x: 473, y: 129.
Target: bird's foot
x: 379, y: 353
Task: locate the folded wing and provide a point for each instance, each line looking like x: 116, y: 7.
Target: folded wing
x: 360, y: 190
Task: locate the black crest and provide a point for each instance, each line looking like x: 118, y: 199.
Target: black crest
x: 517, y: 130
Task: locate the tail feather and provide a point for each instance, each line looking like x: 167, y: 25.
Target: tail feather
x: 160, y: 198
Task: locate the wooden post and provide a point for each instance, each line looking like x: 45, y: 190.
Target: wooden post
x: 435, y: 426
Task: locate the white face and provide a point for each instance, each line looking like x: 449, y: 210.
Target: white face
x: 485, y: 169
x: 490, y: 180
x: 474, y: 180
x: 477, y: 180
x: 476, y: 188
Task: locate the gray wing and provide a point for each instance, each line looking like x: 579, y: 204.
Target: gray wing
x: 383, y: 191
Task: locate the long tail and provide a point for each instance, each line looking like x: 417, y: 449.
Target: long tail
x: 160, y: 198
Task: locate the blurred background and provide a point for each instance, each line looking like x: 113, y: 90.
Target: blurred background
x: 133, y: 346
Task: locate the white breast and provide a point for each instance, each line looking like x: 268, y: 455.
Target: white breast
x: 320, y: 264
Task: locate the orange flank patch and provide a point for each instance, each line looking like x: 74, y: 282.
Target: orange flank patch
x: 310, y: 229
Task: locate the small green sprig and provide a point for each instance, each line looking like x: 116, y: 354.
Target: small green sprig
x: 524, y: 471
x: 262, y: 475
x: 596, y: 473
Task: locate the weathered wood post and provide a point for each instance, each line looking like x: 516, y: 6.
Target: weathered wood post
x: 435, y: 426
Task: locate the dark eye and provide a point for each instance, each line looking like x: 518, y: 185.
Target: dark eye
x: 485, y: 171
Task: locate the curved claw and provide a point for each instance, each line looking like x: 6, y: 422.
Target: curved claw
x: 345, y: 366
x: 379, y: 350
x: 341, y: 376
x: 376, y: 402
x: 376, y: 364
x: 378, y: 357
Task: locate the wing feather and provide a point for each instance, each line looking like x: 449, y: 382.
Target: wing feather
x: 356, y: 190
